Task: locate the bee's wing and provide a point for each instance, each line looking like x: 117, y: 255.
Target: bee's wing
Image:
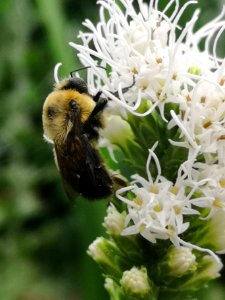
x: 67, y: 173
x: 100, y: 180
x: 70, y: 192
x: 82, y: 170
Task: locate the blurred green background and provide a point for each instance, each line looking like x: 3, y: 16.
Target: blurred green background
x: 43, y: 239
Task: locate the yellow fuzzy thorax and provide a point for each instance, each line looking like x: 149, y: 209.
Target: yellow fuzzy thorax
x: 59, y: 100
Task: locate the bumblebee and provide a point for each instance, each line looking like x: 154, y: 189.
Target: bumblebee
x: 71, y: 121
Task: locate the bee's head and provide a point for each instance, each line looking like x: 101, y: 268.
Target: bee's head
x: 73, y: 83
x: 66, y: 106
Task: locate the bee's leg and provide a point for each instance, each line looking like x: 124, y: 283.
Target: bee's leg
x: 100, y: 105
x: 124, y: 90
x: 97, y: 96
x: 94, y: 121
x: 101, y: 102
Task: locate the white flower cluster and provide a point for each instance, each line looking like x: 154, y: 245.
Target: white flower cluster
x: 160, y: 208
x: 167, y: 68
x: 144, y: 44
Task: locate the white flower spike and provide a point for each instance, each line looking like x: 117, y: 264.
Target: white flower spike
x: 169, y: 129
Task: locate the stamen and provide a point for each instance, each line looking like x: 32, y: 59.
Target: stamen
x: 203, y: 99
x: 158, y: 208
x: 152, y: 154
x: 183, y: 129
x: 222, y: 81
x: 125, y: 200
x: 218, y: 203
x: 204, y: 31
x: 211, y: 253
x: 215, y: 44
x: 222, y: 182
x: 56, y: 69
x: 207, y: 124
x: 175, y: 9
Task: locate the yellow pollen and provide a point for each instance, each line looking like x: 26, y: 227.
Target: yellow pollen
x: 203, y: 99
x: 174, y: 77
x: 222, y: 182
x: 174, y: 190
x: 144, y: 86
x: 170, y: 230
x: 222, y: 81
x: 218, y: 203
x: 138, y: 201
x: 154, y: 189
x: 182, y: 113
x: 134, y: 71
x: 207, y: 124
x: 158, y: 207
x: 222, y: 137
x: 141, y: 228
x: 177, y: 210
x: 188, y: 98
x: 158, y: 60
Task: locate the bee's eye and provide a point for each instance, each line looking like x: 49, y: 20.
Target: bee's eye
x: 51, y: 112
x: 73, y: 105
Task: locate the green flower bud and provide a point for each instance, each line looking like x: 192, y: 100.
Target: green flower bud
x: 106, y: 254
x: 211, y: 268
x: 216, y: 233
x: 113, y: 289
x: 135, y: 282
x: 208, y: 269
x: 114, y: 221
x: 96, y: 250
x: 117, y: 131
x: 181, y: 260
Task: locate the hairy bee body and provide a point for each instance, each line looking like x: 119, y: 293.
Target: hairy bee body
x: 71, y: 121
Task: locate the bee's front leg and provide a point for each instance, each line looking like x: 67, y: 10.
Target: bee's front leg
x: 100, y: 104
x: 94, y: 121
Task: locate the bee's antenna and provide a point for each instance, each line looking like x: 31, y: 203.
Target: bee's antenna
x: 84, y: 68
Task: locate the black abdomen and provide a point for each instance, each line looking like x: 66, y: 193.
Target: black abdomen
x: 82, y: 169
